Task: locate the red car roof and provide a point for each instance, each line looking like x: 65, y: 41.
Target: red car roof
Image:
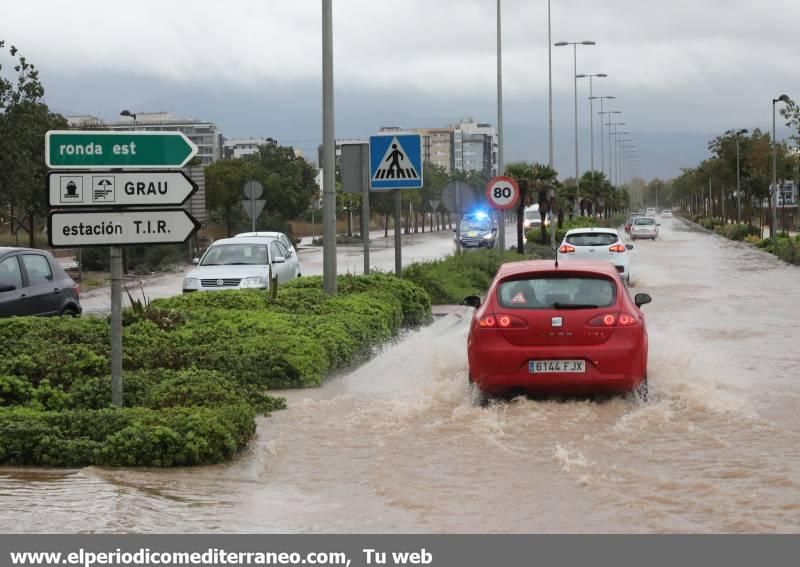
x: 538, y: 266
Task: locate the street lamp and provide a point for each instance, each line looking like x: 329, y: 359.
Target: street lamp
x: 602, y: 145
x: 737, y: 134
x: 591, y: 120
x: 550, y: 87
x: 130, y: 115
x: 773, y: 225
x: 618, y: 153
x: 609, y: 112
x: 575, y: 45
x: 624, y: 147
x: 612, y: 160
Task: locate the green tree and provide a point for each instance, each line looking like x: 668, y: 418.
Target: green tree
x: 535, y: 182
x: 24, y: 121
x: 289, y: 185
x: 225, y: 180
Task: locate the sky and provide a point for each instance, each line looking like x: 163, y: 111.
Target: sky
x: 682, y: 71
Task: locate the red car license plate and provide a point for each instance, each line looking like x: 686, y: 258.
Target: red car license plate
x: 557, y: 366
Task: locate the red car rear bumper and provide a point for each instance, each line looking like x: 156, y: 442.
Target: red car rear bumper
x: 616, y: 366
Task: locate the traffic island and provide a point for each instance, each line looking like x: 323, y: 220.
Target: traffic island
x: 197, y: 370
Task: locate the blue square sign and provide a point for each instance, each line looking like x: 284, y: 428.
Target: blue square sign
x: 395, y: 161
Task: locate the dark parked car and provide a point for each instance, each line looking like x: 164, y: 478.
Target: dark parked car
x: 32, y: 283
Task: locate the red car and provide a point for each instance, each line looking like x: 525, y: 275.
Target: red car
x: 568, y: 329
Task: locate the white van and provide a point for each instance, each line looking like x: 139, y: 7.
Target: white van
x: 651, y: 212
x: 532, y: 217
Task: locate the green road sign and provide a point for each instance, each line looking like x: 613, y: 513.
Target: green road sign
x: 103, y: 149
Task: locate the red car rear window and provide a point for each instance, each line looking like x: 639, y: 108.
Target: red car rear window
x: 557, y: 293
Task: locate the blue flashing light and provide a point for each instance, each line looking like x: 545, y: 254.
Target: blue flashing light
x: 480, y: 215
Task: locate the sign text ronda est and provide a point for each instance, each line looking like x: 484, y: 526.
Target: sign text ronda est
x: 103, y: 149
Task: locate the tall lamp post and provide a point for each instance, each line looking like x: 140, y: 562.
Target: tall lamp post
x: 602, y: 143
x: 550, y: 87
x: 129, y: 114
x: 591, y: 122
x: 500, y: 165
x: 773, y: 223
x: 737, y: 134
x: 624, y: 148
x: 612, y: 159
x: 609, y: 112
x: 618, y: 153
x: 329, y: 156
x: 575, y: 45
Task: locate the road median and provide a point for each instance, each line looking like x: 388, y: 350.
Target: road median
x: 197, y: 370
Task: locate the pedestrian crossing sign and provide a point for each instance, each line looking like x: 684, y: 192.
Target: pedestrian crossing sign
x: 395, y: 161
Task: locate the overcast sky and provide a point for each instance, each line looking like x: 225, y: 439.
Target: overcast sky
x: 682, y: 70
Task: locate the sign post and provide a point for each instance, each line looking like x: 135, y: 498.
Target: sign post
x: 106, y: 199
x: 395, y: 162
x: 355, y: 179
x: 253, y: 205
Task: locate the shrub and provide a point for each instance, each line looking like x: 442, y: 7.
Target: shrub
x: 124, y: 437
x: 14, y: 390
x: 738, y: 231
x: 788, y: 250
x: 449, y: 280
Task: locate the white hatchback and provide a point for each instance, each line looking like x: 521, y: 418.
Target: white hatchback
x: 602, y: 244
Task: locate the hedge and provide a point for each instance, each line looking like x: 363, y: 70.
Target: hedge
x: 450, y: 280
x: 192, y: 387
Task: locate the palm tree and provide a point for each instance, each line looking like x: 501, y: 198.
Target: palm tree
x: 534, y: 182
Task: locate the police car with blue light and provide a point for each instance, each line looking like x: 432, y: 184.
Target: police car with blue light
x: 478, y: 230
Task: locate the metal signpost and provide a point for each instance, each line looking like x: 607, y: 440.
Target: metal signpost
x: 252, y: 204
x: 395, y: 163
x: 355, y: 179
x: 116, y: 203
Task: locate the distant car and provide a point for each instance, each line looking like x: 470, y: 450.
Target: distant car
x: 571, y: 329
x: 644, y: 227
x: 532, y: 218
x: 629, y: 221
x: 241, y: 263
x: 279, y: 236
x: 478, y: 231
x: 33, y: 283
x: 598, y: 244
x: 651, y: 212
x: 666, y: 213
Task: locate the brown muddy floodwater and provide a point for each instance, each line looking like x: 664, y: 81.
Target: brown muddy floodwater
x: 395, y: 446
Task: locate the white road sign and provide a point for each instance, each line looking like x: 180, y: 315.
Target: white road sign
x: 502, y: 192
x: 119, y: 189
x: 116, y: 228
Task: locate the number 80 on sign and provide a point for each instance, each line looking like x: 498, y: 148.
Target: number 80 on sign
x: 502, y: 192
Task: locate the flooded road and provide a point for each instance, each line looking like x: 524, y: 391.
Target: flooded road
x: 396, y: 445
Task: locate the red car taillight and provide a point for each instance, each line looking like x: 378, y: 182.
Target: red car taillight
x: 501, y: 321
x: 613, y: 320
x: 617, y: 248
x: 566, y: 249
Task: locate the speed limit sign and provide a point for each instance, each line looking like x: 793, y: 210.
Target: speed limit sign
x: 502, y: 193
